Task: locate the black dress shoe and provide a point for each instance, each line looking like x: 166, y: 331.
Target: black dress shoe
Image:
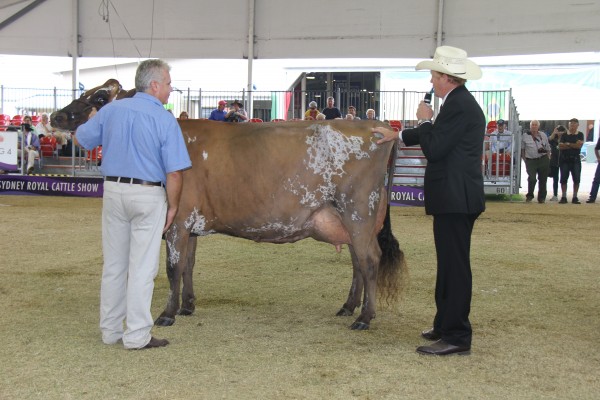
x: 431, y: 334
x: 441, y: 348
x: 154, y: 342
x: 590, y: 201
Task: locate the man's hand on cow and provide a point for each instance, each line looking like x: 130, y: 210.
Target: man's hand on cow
x: 384, y: 134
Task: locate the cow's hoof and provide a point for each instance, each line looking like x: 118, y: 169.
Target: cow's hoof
x: 164, y: 321
x: 344, y: 312
x: 359, y: 326
x: 185, y: 311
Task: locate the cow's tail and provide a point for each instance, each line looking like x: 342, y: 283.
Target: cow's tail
x: 392, y: 273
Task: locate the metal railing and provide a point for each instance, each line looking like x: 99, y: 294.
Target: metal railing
x: 292, y: 105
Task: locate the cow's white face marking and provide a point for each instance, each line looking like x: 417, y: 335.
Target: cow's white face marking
x: 205, y: 155
x: 196, y: 224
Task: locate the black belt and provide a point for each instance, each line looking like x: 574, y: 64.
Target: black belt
x: 135, y: 181
x: 533, y: 158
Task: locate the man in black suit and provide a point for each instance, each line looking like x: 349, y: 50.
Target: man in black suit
x: 453, y: 146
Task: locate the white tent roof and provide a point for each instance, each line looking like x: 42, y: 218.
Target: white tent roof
x: 296, y: 29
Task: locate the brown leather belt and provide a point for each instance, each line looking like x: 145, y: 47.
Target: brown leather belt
x: 134, y: 181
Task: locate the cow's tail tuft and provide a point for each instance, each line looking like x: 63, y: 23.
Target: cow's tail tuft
x: 392, y: 273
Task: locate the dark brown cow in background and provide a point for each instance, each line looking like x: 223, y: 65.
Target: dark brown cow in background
x: 280, y: 183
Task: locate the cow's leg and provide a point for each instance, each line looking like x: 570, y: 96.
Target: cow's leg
x: 188, y: 299
x: 356, y: 289
x: 366, y: 260
x: 177, y: 244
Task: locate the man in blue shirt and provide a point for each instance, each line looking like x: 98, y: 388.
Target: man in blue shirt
x: 219, y: 113
x: 143, y: 152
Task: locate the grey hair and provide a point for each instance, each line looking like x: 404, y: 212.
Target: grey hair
x: 148, y: 71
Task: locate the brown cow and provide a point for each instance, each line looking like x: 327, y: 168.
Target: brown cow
x: 280, y: 183
x: 76, y: 113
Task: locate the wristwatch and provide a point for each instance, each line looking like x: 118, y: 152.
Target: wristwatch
x: 423, y: 121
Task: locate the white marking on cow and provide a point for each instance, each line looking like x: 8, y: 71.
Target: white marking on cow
x: 373, y: 200
x: 205, y: 155
x: 355, y: 216
x: 171, y: 243
x: 285, y: 229
x: 328, y: 151
x: 196, y: 224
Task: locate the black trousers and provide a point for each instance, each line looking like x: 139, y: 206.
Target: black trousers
x: 453, y: 287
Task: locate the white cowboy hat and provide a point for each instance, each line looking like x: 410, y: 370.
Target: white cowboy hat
x: 452, y: 61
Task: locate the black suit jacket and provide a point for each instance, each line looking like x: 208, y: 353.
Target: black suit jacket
x: 453, y: 146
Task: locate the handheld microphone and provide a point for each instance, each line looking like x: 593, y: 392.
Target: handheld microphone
x: 427, y: 98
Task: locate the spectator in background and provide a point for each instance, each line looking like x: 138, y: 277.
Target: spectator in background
x: 219, y: 113
x: 237, y: 113
x: 44, y: 129
x: 501, y: 139
x: 371, y: 114
x: 331, y: 112
x: 596, y: 181
x: 311, y: 113
x: 321, y: 117
x: 352, y: 111
x: 554, y: 139
x: 569, y: 160
x: 31, y: 143
x: 349, y: 117
x: 184, y: 115
x: 535, y: 151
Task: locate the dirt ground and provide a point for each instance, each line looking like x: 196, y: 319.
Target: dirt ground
x: 265, y: 324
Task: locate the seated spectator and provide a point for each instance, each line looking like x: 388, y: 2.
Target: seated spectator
x: 44, y: 129
x: 309, y: 118
x: 349, y: 117
x: 352, y: 111
x: 31, y: 144
x: 184, y: 115
x: 499, y: 139
x: 321, y: 117
x: 312, y: 110
x: 219, y: 113
x: 371, y: 114
x: 237, y: 113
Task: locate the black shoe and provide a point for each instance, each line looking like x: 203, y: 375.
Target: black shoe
x: 575, y: 201
x: 563, y: 201
x: 154, y: 342
x: 590, y: 201
x: 431, y: 335
x: 441, y: 348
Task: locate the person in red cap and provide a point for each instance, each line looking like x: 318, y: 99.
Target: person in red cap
x: 219, y: 113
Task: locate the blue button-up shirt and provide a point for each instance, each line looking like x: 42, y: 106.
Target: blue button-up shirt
x: 139, y: 138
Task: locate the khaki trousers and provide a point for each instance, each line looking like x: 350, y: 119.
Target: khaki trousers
x: 133, y: 217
